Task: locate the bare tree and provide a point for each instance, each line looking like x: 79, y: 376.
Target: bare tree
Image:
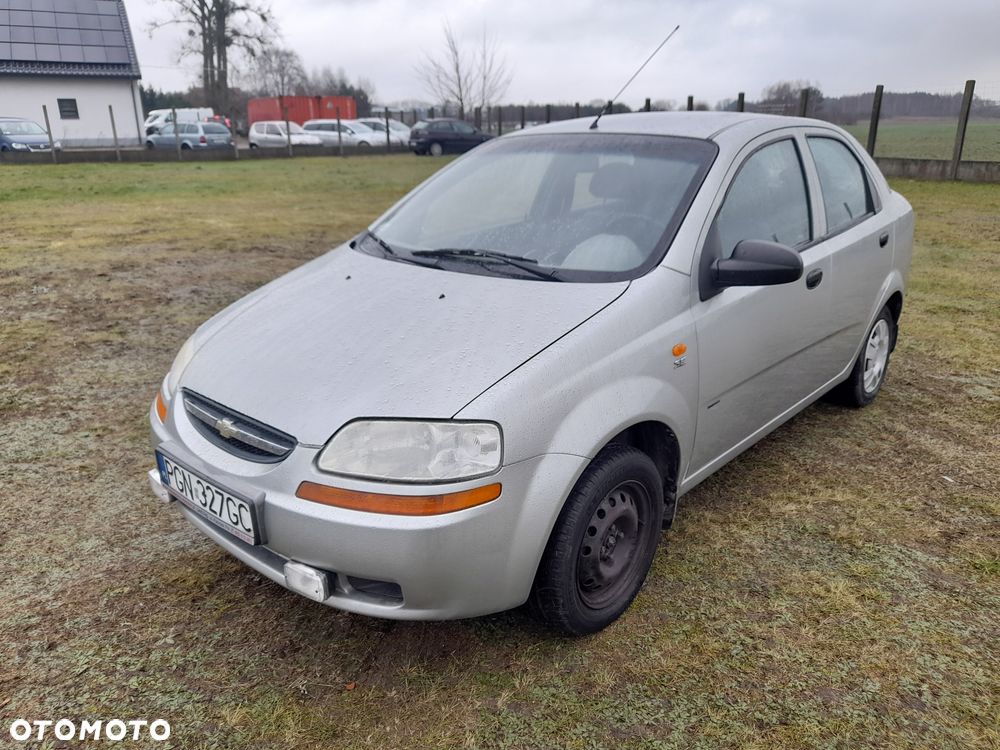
x: 492, y: 73
x: 214, y: 28
x: 467, y: 79
x: 277, y: 72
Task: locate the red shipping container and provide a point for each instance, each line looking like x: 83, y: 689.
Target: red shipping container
x: 298, y: 109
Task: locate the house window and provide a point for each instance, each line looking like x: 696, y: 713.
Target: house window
x: 68, y: 109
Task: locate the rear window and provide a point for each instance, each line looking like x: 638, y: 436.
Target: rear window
x: 215, y: 128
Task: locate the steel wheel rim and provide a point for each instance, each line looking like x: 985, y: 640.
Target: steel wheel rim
x: 610, y: 553
x: 876, y: 355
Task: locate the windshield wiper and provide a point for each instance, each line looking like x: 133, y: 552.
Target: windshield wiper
x: 391, y: 253
x: 521, y: 262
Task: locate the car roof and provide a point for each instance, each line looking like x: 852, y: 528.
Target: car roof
x: 704, y: 125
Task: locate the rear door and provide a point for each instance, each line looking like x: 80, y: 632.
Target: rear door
x: 858, y: 237
x: 761, y: 350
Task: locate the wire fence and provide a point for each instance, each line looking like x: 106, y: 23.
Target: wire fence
x: 947, y: 130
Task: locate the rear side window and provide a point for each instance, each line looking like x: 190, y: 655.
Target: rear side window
x: 767, y: 200
x: 846, y: 194
x: 441, y: 127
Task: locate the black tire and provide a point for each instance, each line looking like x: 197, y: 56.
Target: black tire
x: 254, y: 145
x: 854, y: 391
x: 185, y: 147
x: 150, y: 145
x: 435, y: 149
x: 364, y: 144
x: 602, y: 544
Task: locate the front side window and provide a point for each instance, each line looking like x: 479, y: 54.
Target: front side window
x: 273, y: 130
x: 522, y: 197
x: 766, y: 201
x: 846, y: 195
x: 167, y: 129
x: 441, y: 127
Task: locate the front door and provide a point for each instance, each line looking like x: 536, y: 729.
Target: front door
x: 761, y: 350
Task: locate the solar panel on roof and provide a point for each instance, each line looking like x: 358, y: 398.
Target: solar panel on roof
x: 67, y: 37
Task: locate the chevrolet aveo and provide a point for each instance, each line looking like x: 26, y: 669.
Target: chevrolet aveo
x: 499, y: 391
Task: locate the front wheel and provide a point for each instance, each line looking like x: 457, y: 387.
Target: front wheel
x: 868, y: 374
x: 602, y: 544
x: 436, y: 149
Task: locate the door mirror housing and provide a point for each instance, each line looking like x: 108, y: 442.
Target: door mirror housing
x: 757, y: 263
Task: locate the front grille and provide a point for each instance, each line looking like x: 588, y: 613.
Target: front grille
x: 237, y: 433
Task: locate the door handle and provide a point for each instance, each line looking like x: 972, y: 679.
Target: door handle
x: 883, y: 239
x: 813, y: 278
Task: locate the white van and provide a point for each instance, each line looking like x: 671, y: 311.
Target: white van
x: 157, y: 118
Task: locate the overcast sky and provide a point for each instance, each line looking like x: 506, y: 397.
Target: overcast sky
x: 579, y: 50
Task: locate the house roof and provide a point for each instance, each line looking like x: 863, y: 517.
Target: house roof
x: 79, y: 38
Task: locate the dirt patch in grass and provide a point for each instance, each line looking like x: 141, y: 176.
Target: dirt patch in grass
x: 836, y: 586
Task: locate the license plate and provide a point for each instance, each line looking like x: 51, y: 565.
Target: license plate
x: 221, y: 507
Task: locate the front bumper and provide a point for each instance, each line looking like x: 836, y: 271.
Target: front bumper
x: 461, y: 564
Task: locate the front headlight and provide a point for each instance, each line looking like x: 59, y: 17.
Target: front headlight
x: 404, y: 451
x: 19, y: 146
x: 181, y: 361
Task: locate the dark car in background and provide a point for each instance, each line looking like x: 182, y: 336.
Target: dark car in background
x: 19, y: 134
x: 445, y: 135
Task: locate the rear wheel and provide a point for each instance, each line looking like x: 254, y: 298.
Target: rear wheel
x: 602, y: 544
x: 868, y: 374
x: 436, y: 149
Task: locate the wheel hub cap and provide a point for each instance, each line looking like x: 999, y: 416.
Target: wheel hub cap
x: 876, y: 356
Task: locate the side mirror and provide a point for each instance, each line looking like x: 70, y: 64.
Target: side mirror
x: 757, y: 263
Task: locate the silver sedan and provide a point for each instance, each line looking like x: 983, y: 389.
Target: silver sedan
x: 500, y: 391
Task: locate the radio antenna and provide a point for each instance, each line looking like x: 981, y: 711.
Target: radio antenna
x: 606, y: 107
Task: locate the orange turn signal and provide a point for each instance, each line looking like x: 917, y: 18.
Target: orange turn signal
x: 398, y: 505
x: 680, y: 349
x: 161, y: 407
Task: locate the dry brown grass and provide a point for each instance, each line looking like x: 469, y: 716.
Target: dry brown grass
x: 835, y: 587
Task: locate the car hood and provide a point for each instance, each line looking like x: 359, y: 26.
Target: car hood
x: 351, y: 335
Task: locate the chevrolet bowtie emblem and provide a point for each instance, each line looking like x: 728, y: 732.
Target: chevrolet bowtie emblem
x: 226, y: 428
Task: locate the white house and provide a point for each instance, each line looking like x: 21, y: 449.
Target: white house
x: 76, y: 57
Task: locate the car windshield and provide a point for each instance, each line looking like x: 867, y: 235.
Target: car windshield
x: 579, y: 207
x: 397, y: 125
x: 360, y: 127
x: 293, y: 127
x: 21, y: 127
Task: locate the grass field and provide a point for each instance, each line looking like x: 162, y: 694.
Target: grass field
x: 933, y: 138
x: 838, y: 586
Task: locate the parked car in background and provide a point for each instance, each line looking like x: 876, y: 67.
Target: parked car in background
x: 271, y: 134
x: 20, y: 134
x: 481, y: 402
x: 398, y: 132
x: 157, y: 118
x: 352, y: 133
x: 192, y: 136
x: 445, y: 135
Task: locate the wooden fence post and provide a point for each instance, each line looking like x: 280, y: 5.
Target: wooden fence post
x: 48, y: 132
x: 741, y: 102
x: 177, y: 132
x: 114, y: 133
x: 499, y: 119
x: 388, y: 133
x: 876, y: 115
x: 690, y: 103
x: 548, y: 113
x: 522, y: 116
x: 340, y: 134
x: 963, y: 121
x: 648, y: 106
x: 576, y: 109
x: 803, y: 102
